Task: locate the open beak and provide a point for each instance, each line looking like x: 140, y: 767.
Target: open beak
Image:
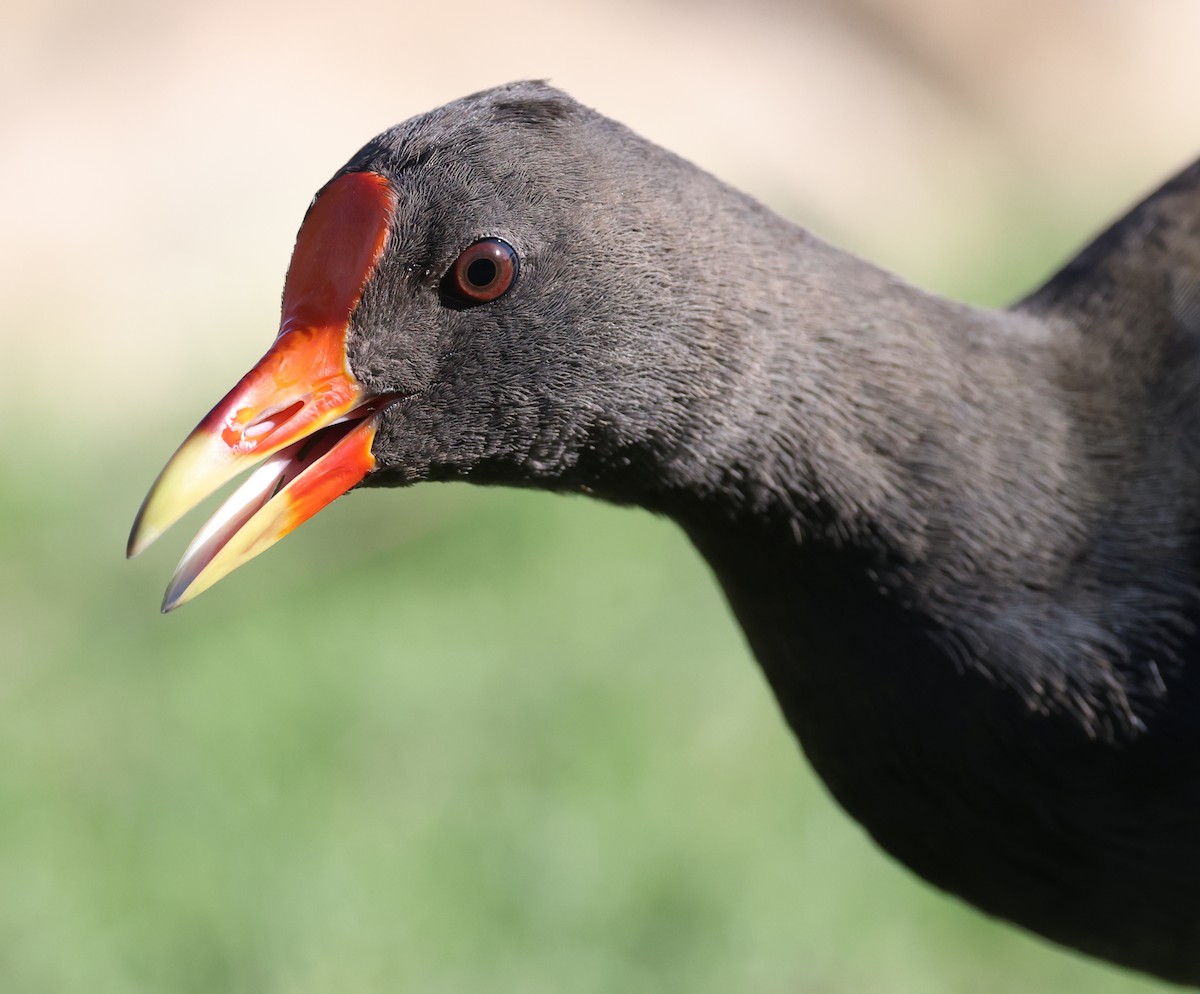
x: 300, y: 412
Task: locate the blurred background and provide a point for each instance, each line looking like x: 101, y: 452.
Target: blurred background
x: 449, y: 740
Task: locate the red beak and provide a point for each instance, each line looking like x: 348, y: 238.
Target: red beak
x: 301, y: 408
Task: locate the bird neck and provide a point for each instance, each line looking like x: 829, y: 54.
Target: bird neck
x: 889, y: 462
x: 856, y: 403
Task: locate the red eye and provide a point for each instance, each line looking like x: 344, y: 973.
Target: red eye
x: 483, y: 272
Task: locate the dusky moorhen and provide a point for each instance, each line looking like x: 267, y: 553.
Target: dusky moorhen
x: 962, y: 543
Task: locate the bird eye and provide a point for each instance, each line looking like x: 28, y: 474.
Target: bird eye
x: 483, y: 272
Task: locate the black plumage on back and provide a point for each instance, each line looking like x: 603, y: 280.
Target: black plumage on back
x: 961, y: 543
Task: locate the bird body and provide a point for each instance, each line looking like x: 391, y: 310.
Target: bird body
x: 961, y: 542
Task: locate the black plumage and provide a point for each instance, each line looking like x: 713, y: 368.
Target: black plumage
x: 961, y: 543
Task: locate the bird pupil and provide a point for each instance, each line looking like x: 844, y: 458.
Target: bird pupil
x: 481, y: 272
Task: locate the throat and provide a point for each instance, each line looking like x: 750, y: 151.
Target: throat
x: 863, y: 641
x: 841, y: 641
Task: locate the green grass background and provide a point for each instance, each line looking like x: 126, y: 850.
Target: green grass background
x: 443, y: 740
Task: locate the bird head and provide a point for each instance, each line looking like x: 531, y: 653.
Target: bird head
x: 480, y: 293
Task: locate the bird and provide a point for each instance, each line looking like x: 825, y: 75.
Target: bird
x: 962, y: 543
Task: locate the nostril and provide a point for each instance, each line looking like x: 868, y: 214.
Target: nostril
x: 269, y: 421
